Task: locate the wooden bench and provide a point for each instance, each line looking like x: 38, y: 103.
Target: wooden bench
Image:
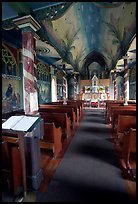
x: 116, y: 107
x: 79, y: 105
x: 117, y: 112
x: 74, y: 106
x: 125, y: 122
x: 60, y: 120
x: 109, y: 112
x: 52, y: 138
x: 59, y: 109
x: 11, y: 164
x: 129, y: 152
x: 112, y: 103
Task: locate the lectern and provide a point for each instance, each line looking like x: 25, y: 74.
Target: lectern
x: 29, y: 130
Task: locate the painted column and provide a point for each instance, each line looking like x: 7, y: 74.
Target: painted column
x: 75, y: 87
x: 126, y: 80
x: 115, y: 86
x: 64, y: 85
x: 29, y: 26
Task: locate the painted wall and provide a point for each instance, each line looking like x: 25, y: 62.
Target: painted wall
x: 43, y: 82
x: 12, y: 94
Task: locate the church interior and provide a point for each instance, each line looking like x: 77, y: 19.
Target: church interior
x: 68, y: 101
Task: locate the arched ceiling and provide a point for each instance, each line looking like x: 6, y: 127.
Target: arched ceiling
x: 81, y: 33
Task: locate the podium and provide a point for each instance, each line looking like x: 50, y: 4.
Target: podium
x: 29, y: 129
x: 33, y: 156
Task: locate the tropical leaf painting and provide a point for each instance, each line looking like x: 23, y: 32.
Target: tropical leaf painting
x: 118, y: 33
x: 109, y: 55
x: 78, y: 59
x: 68, y: 42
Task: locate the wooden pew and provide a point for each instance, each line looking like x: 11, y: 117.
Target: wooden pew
x: 79, y: 105
x: 74, y: 106
x: 110, y: 109
x: 60, y: 120
x: 129, y: 152
x: 116, y: 107
x: 59, y: 109
x: 11, y: 164
x: 52, y: 138
x: 125, y: 122
x: 6, y: 172
x: 112, y: 103
x: 117, y: 112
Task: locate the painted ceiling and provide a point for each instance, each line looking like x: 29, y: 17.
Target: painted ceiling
x: 87, y: 36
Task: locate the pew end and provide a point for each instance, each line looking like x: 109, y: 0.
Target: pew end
x: 11, y: 164
x: 52, y: 139
x: 129, y: 152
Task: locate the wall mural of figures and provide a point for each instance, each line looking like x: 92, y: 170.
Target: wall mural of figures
x: 10, y: 95
x: 11, y: 80
x: 43, y: 82
x: 43, y: 92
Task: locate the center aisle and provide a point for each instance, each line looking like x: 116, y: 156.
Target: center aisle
x: 89, y: 170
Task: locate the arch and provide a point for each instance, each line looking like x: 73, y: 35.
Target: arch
x: 94, y: 56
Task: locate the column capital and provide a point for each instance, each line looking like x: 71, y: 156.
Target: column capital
x: 125, y: 57
x: 27, y: 21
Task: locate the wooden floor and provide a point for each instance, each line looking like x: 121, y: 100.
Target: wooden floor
x: 49, y: 165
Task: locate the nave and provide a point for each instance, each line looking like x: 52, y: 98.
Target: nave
x: 59, y: 61
x: 89, y: 169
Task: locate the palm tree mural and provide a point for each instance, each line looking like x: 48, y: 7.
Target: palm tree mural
x: 119, y: 34
x: 109, y: 56
x: 69, y: 38
x: 78, y: 59
x: 118, y: 37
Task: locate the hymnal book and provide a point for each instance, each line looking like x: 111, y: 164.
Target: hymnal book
x: 19, y: 123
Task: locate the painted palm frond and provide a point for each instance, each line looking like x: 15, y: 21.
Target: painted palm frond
x: 78, y: 59
x: 80, y: 55
x: 70, y: 37
x: 68, y: 41
x: 119, y: 37
x: 109, y: 56
x: 108, y: 53
x: 115, y: 32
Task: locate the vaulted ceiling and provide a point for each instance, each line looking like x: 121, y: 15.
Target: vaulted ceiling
x: 87, y: 36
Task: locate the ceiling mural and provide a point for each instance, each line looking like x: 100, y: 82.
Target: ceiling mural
x: 88, y: 36
x: 86, y: 27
